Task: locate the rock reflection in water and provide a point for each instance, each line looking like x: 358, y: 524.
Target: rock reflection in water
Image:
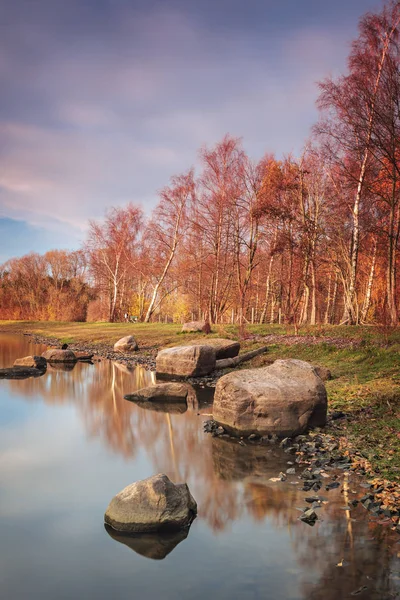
x: 61, y: 366
x: 151, y: 545
x: 232, y: 461
x: 177, y: 408
x: 231, y: 484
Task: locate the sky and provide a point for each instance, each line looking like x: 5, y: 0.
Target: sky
x: 102, y: 101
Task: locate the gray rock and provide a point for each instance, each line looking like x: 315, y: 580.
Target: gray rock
x: 126, y: 344
x: 150, y: 505
x: 284, y: 399
x: 34, y: 362
x: 223, y: 348
x: 57, y: 355
x: 194, y: 326
x: 162, y: 392
x: 186, y: 361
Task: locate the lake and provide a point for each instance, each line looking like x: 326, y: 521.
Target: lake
x: 69, y: 442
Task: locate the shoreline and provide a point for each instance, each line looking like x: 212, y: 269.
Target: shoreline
x: 102, y: 351
x: 385, y: 491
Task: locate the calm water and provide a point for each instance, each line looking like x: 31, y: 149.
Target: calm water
x: 69, y: 442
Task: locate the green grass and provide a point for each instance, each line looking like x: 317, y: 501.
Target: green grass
x: 365, y: 384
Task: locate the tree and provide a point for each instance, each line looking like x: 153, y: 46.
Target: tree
x: 165, y: 232
x: 111, y: 247
x: 351, y: 105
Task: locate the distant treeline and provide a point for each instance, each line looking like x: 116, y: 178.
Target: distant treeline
x: 313, y: 239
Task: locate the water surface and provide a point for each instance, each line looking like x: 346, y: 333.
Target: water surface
x: 69, y: 442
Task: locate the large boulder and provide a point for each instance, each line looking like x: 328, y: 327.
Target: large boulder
x: 170, y: 391
x: 223, y: 348
x: 195, y: 326
x: 150, y: 505
x: 56, y: 355
x: 285, y: 399
x: 126, y: 344
x: 186, y: 361
x: 34, y: 362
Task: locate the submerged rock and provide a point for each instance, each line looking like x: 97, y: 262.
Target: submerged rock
x: 186, y: 361
x: 21, y: 372
x: 194, y: 326
x: 284, y: 399
x: 57, y: 355
x: 151, y: 545
x: 126, y: 344
x: 34, y: 362
x: 150, y: 505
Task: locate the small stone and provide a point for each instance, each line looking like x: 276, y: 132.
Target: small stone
x: 332, y: 485
x: 285, y: 443
x: 309, y: 516
x: 312, y: 499
x: 291, y: 471
x: 126, y: 344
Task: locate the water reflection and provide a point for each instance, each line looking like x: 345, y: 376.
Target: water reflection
x: 151, y: 545
x: 164, y: 407
x: 247, y: 538
x: 61, y: 366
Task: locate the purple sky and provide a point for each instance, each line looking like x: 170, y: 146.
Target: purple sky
x: 103, y: 100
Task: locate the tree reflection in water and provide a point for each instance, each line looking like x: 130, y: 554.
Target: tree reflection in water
x: 229, y: 481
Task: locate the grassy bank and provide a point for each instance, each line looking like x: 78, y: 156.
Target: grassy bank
x: 366, y: 376
x: 365, y: 385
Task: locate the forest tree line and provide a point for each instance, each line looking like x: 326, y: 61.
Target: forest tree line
x: 306, y: 240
